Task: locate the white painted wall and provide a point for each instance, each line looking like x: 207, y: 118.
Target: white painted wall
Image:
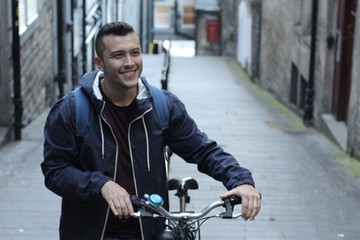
x: 131, y: 13
x: 244, y: 36
x: 127, y: 11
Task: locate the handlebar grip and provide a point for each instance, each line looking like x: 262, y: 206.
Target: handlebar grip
x: 235, y: 200
x: 229, y: 204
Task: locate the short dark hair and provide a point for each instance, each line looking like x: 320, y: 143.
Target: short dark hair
x: 115, y: 28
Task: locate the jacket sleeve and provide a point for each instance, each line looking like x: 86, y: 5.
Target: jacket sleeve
x: 60, y: 165
x: 187, y: 141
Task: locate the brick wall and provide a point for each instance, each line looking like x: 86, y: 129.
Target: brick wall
x: 37, y: 64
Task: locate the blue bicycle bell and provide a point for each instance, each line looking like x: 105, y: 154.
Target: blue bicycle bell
x: 156, y: 200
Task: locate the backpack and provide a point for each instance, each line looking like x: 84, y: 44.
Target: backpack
x: 82, y: 109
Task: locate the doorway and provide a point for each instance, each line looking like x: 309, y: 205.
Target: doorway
x: 343, y: 59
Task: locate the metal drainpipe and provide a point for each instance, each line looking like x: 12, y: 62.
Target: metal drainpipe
x: 141, y: 30
x: 310, y: 91
x: 83, y: 44
x: 151, y: 19
x: 16, y: 70
x: 176, y: 16
x: 60, y: 78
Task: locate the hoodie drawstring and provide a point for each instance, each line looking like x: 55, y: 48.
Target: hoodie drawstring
x: 147, y: 144
x: 102, y: 139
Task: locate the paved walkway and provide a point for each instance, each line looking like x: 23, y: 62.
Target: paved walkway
x: 307, y: 195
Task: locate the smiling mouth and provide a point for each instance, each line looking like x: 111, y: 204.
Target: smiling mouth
x: 129, y: 74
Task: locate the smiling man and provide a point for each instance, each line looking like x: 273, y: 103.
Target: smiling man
x: 121, y: 153
x: 119, y: 57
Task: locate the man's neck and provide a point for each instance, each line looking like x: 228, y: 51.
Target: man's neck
x: 120, y: 97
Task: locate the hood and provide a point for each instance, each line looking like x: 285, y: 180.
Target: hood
x: 90, y: 82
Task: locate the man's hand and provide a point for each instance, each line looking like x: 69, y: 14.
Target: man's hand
x: 250, y: 200
x: 118, y: 199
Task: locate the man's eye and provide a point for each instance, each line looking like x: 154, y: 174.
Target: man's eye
x: 118, y: 55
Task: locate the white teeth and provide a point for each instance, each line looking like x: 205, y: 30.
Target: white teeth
x: 129, y: 73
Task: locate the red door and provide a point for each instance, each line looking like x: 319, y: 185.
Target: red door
x: 343, y: 62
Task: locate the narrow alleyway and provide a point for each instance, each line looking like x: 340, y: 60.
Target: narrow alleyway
x: 306, y: 193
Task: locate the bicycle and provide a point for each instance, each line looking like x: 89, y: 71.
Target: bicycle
x: 182, y: 225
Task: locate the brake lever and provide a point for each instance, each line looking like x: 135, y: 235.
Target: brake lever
x: 142, y: 213
x: 136, y: 201
x: 140, y: 205
x: 229, y: 207
x: 139, y: 208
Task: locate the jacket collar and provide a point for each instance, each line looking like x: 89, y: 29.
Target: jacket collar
x: 90, y: 82
x: 142, y: 86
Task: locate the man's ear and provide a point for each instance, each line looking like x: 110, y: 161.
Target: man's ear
x: 99, y: 63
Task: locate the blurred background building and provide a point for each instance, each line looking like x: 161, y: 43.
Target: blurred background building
x: 306, y: 53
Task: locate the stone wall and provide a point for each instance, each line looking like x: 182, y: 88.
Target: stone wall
x: 6, y: 106
x: 229, y: 27
x: 241, y: 34
x: 354, y: 105
x: 285, y: 53
x: 285, y: 59
x: 277, y: 40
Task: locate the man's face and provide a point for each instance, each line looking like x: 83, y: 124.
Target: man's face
x: 122, y: 60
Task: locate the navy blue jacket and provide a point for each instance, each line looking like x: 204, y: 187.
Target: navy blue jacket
x: 77, y: 168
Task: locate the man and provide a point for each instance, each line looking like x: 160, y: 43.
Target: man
x: 121, y: 154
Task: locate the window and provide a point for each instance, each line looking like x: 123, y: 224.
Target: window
x: 303, y: 89
x: 162, y: 17
x: 294, y: 84
x: 28, y: 13
x: 188, y: 17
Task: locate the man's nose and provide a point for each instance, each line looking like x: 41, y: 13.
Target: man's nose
x: 128, y: 60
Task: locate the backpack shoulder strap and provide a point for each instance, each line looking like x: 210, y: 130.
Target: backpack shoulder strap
x: 162, y: 112
x: 82, y: 111
x: 160, y: 106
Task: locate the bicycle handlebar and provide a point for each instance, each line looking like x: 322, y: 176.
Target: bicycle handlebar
x: 142, y: 203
